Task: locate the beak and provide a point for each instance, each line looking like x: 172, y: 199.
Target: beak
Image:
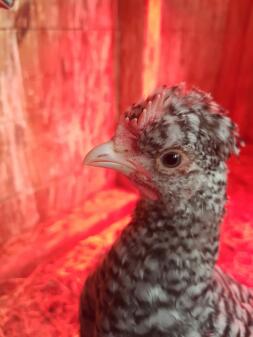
x: 7, y: 4
x: 104, y: 155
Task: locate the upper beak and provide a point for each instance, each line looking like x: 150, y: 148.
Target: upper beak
x: 7, y: 4
x: 104, y: 155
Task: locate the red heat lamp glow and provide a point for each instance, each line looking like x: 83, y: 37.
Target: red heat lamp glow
x: 43, y: 271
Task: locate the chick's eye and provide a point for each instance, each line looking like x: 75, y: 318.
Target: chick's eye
x: 171, y: 159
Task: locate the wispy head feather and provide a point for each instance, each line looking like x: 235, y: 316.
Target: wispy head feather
x: 189, y: 106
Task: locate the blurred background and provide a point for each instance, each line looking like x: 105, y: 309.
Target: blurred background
x: 67, y: 69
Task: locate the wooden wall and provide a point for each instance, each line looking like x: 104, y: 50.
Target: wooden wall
x: 204, y: 43
x: 59, y: 64
x: 209, y: 44
x: 57, y: 89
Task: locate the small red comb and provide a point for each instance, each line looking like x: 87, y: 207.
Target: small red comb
x: 148, y: 111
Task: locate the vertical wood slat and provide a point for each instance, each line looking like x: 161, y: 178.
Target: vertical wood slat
x: 233, y: 51
x: 243, y: 103
x: 59, y: 15
x: 151, y: 53
x: 131, y: 26
x: 192, y: 33
x: 209, y: 45
x: 131, y: 22
x: 65, y: 53
x: 56, y: 93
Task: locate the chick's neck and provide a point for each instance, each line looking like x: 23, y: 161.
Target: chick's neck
x: 183, y: 236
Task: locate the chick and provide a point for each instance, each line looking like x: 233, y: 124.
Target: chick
x: 159, y: 279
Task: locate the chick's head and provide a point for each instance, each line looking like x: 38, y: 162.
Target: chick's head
x: 173, y: 144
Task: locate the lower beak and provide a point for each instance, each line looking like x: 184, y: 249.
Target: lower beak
x: 104, y: 155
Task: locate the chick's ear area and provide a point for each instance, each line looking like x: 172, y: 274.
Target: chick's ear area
x: 225, y: 136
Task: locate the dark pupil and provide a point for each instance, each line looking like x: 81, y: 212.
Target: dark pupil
x: 171, y: 159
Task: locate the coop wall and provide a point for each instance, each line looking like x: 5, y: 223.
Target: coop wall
x: 57, y: 100
x: 66, y: 66
x: 207, y: 44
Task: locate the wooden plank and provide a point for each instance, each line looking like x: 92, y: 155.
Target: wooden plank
x: 151, y: 53
x: 233, y: 50
x: 54, y: 80
x: 243, y: 102
x: 60, y: 14
x: 131, y: 26
x: 192, y: 34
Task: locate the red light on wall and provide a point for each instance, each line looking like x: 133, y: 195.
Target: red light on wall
x: 151, y: 55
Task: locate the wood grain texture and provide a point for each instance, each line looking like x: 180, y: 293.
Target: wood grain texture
x: 193, y: 33
x: 151, y: 56
x: 131, y: 26
x: 57, y: 89
x: 59, y: 66
x: 233, y: 50
x: 59, y: 14
x: 207, y: 44
x: 243, y: 100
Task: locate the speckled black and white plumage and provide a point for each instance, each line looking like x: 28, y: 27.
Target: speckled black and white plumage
x: 159, y: 278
